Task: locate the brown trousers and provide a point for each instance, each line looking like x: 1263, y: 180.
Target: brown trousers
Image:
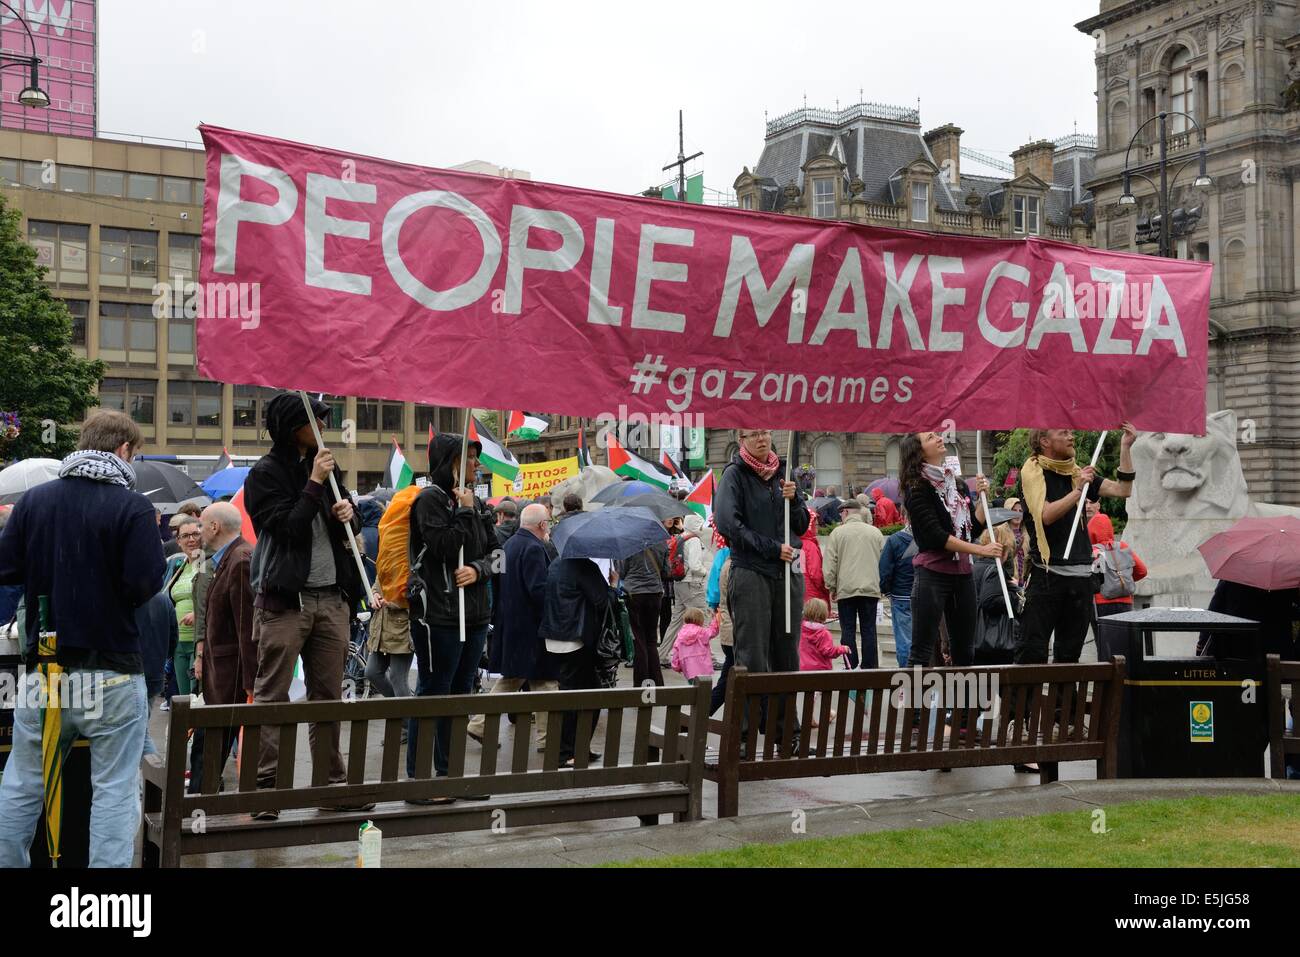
x: 319, y: 635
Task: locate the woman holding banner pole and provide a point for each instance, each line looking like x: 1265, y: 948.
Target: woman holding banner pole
x: 946, y: 528
x: 1059, y: 596
x: 453, y: 552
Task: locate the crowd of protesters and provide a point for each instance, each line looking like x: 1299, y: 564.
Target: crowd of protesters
x: 210, y: 614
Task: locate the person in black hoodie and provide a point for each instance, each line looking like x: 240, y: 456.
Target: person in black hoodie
x: 308, y: 579
x: 445, y: 519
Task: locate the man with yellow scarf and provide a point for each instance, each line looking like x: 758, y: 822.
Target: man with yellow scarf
x: 1059, y: 594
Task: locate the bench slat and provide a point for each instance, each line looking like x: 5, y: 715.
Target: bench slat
x: 487, y: 764
x: 582, y: 740
x: 392, y: 749
x: 1080, y: 709
x: 672, y: 732
x: 751, y: 727
x: 824, y: 724
x: 641, y: 736
x: 842, y: 704
x: 1068, y: 691
x: 425, y: 736
x: 1035, y: 706
x: 551, y: 759
x: 456, y: 755
x: 879, y: 699
x: 286, y: 756
x: 358, y: 741
x: 523, y: 742
x: 769, y: 726
x: 613, y: 736
x: 250, y: 748
x: 214, y: 756
x: 893, y: 710
x: 785, y: 715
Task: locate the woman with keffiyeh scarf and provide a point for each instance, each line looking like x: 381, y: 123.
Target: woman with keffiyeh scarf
x: 946, y: 529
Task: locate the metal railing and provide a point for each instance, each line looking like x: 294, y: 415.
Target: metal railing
x: 148, y: 140
x: 1082, y: 140
x: 858, y: 111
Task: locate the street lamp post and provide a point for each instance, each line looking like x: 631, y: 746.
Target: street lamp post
x: 1162, y: 164
x: 31, y: 95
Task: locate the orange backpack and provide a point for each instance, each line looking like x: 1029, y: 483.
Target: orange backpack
x: 393, y: 564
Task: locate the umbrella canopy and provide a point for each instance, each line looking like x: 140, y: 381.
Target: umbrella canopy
x: 227, y: 481
x: 889, y: 487
x: 612, y: 493
x: 21, y: 476
x: 819, y: 503
x: 663, y: 505
x: 384, y: 495
x: 999, y: 515
x: 166, y: 486
x: 1261, y: 552
x: 609, y: 533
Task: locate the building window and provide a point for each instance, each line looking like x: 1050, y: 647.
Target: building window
x: 425, y: 416
x: 338, y: 406
x: 747, y: 201
x: 109, y: 183
x: 142, y: 186
x: 182, y: 255
x: 249, y: 405
x: 194, y: 404
x: 893, y: 458
x: 1234, y: 270
x: 8, y: 172
x: 35, y: 177
x: 1025, y: 214
x: 368, y: 481
x: 180, y: 337
x: 824, y: 198
x: 128, y: 258
x: 828, y: 461
x: 176, y: 190
x: 920, y: 202
x: 79, y: 310
x: 130, y: 331
x: 1182, y: 91
x: 74, y: 179
x: 1232, y: 90
x: 61, y: 248
x: 1118, y: 132
x: 135, y: 397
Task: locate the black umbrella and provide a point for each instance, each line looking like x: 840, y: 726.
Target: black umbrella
x: 166, y: 486
x: 612, y: 493
x: 609, y: 533
x: 664, y: 506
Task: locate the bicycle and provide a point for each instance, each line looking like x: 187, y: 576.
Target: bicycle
x: 356, y: 686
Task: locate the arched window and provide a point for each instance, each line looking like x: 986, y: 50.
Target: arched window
x: 893, y: 458
x: 1232, y: 90
x: 1182, y: 90
x: 1234, y: 270
x: 828, y: 460
x: 1119, y: 132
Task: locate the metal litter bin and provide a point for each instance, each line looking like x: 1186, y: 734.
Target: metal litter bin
x: 1195, y: 716
x: 74, y: 845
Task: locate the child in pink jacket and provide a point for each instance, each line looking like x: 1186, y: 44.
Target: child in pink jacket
x: 817, y: 647
x: 692, y: 655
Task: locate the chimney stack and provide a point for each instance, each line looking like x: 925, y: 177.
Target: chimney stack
x: 1035, y: 158
x: 945, y: 143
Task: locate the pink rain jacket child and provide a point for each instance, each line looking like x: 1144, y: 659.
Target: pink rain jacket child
x: 691, y: 653
x: 818, y: 648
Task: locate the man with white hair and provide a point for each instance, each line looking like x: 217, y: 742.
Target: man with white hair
x: 524, y: 659
x: 225, y: 657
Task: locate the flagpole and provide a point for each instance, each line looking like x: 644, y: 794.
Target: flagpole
x: 464, y: 454
x: 984, y: 500
x: 1083, y: 497
x: 789, y: 448
x: 338, y: 497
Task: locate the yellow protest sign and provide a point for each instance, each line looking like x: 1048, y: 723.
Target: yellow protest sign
x: 536, y: 478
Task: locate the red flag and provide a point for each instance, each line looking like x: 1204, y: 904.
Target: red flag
x: 247, y: 530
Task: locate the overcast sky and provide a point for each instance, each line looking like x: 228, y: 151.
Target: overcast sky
x: 580, y: 93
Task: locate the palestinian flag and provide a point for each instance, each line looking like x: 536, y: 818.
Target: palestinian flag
x: 700, y: 501
x: 397, y: 474
x: 496, y: 458
x: 246, y: 523
x: 667, y: 462
x: 526, y: 427
x: 623, y: 462
x: 584, y: 453
x: 224, y: 461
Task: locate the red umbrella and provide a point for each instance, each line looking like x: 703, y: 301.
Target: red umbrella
x: 1262, y: 552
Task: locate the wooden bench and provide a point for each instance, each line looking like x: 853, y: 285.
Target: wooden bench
x: 874, y: 733
x: 1280, y: 742
x: 646, y: 785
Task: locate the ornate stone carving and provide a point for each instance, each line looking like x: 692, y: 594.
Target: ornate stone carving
x: 1148, y: 57
x: 1200, y: 35
x: 1116, y: 64
x: 1231, y: 22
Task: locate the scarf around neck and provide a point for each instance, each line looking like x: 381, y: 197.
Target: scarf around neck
x: 98, y: 467
x: 766, y: 469
x: 1034, y: 487
x: 944, y: 480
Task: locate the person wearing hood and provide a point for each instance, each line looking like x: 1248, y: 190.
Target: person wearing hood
x: 444, y: 520
x: 886, y: 512
x: 307, y: 579
x: 86, y: 550
x: 813, y: 577
x: 689, y: 592
x: 1101, y: 532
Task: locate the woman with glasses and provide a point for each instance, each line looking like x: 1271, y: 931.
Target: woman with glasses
x: 180, y: 589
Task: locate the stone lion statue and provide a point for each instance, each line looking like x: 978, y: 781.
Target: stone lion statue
x: 585, y: 484
x: 1189, y: 476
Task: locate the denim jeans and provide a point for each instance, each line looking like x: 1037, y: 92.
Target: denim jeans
x: 451, y: 670
x: 863, y: 609
x: 115, y: 726
x: 900, y: 608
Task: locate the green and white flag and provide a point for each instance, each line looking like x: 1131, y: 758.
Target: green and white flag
x: 526, y: 427
x: 496, y: 458
x: 397, y: 474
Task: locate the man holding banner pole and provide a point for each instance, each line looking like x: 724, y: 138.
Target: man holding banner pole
x: 749, y: 511
x: 1059, y: 596
x: 453, y: 552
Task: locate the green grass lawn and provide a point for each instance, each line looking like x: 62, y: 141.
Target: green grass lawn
x: 1194, y: 832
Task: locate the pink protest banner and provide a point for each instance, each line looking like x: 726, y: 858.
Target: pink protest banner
x: 335, y: 272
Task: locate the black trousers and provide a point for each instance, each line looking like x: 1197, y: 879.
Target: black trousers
x: 859, y: 613
x: 720, y: 689
x: 938, y: 596
x: 1102, y: 611
x: 577, y: 673
x: 756, y: 605
x: 1054, y: 603
x: 643, y: 610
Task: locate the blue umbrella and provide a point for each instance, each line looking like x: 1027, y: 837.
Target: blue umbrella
x: 612, y: 493
x: 226, y: 482
x: 609, y: 533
